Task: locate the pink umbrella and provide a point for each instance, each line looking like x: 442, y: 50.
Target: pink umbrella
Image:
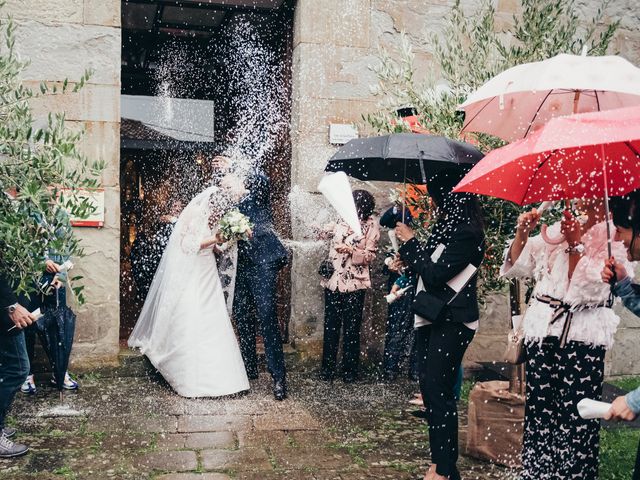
x: 591, y: 155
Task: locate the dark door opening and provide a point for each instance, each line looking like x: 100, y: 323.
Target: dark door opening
x: 197, y: 78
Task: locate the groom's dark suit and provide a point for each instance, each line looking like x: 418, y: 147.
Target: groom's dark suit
x: 259, y: 261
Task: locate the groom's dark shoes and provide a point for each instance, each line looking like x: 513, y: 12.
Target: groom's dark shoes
x: 280, y: 389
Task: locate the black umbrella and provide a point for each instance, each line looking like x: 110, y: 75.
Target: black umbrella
x: 56, y: 329
x: 402, y: 157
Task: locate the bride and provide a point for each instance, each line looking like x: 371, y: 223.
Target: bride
x: 184, y: 328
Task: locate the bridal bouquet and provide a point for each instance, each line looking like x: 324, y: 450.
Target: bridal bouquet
x: 235, y: 226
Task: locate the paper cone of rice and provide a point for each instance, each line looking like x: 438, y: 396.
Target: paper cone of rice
x: 337, y: 191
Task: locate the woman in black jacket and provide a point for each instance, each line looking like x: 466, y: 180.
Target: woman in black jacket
x: 445, y: 321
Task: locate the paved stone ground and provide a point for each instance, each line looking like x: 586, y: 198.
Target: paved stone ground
x: 127, y: 424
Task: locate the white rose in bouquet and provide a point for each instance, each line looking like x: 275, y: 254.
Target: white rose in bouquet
x: 235, y: 226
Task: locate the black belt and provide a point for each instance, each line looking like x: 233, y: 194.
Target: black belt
x: 566, y: 311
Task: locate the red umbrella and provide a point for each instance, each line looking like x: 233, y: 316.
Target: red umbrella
x: 591, y: 155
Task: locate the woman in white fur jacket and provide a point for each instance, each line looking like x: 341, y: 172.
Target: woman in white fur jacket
x: 568, y: 327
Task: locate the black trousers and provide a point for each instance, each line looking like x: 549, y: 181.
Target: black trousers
x: 558, y: 443
x: 342, y: 311
x: 439, y: 352
x: 399, y: 338
x: 255, y: 299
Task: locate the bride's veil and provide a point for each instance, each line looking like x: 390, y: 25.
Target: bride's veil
x: 178, y: 260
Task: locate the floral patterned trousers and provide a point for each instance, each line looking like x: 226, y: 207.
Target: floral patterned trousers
x: 558, y: 443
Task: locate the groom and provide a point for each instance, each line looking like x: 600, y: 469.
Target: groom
x: 259, y: 261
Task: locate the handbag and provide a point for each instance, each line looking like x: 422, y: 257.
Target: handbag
x: 514, y: 353
x: 428, y: 306
x: 326, y: 268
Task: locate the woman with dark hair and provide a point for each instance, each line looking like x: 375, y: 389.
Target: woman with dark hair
x: 568, y: 327
x: 626, y: 218
x: 344, y: 290
x: 446, y: 319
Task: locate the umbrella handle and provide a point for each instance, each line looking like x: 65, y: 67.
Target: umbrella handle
x: 551, y: 241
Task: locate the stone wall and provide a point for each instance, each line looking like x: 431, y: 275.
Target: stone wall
x: 335, y: 44
x: 62, y: 38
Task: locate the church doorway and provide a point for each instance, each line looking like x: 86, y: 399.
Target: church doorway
x: 199, y: 78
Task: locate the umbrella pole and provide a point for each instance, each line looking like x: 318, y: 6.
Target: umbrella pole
x: 404, y: 186
x: 606, y: 201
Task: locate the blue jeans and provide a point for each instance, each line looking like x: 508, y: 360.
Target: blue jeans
x: 14, y: 368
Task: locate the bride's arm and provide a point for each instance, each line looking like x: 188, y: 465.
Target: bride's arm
x: 209, y: 242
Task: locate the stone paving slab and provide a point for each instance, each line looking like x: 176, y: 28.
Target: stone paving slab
x: 213, y: 423
x: 311, y: 458
x: 302, y: 421
x: 194, y: 476
x: 248, y: 459
x: 173, y: 461
x: 131, y: 423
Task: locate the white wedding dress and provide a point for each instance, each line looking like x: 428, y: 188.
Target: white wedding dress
x: 184, y: 327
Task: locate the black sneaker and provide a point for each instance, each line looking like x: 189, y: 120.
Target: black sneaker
x: 9, y: 449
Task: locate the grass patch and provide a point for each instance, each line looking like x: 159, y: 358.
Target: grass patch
x: 98, y: 438
x: 404, y: 467
x: 91, y: 376
x: 626, y: 383
x: 618, y: 449
x: 358, y: 443
x: 467, y: 385
x: 65, y: 472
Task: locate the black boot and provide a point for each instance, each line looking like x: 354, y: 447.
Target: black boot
x: 280, y: 389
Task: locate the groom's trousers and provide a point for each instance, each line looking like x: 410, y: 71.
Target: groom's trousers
x: 255, y: 300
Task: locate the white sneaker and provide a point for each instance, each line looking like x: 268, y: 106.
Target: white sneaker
x: 69, y: 383
x: 28, y: 386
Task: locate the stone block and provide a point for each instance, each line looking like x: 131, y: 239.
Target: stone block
x: 627, y: 43
x: 102, y: 12
x: 48, y: 12
x: 180, y: 461
x: 133, y: 423
x: 213, y: 423
x: 207, y: 440
x: 171, y: 441
x: 624, y: 358
x: 286, y: 423
x: 194, y: 476
x: 66, y: 50
x: 263, y: 439
x: 97, y: 103
x: 332, y: 22
x: 327, y: 71
x: 311, y: 458
x: 486, y: 348
x: 101, y: 142
x: 495, y: 316
x: 243, y: 460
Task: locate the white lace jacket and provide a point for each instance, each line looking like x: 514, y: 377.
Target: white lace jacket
x: 548, y: 265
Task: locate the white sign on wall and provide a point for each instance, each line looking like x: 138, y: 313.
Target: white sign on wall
x: 96, y: 199
x: 341, y: 133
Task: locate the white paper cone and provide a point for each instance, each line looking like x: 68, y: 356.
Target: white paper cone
x: 589, y: 409
x: 337, y: 190
x: 394, y: 240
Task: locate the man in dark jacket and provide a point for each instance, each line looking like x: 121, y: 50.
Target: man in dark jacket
x: 14, y: 362
x: 259, y: 261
